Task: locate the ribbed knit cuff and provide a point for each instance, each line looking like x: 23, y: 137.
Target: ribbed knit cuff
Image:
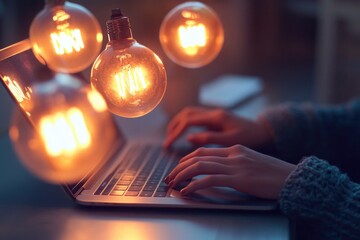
x: 313, y: 189
x: 321, y: 193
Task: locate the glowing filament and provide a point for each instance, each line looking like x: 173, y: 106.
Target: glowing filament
x: 67, y: 41
x: 15, y: 89
x: 192, y: 37
x: 61, y: 16
x: 130, y: 81
x: 64, y: 132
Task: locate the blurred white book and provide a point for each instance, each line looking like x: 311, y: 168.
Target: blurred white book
x: 229, y: 91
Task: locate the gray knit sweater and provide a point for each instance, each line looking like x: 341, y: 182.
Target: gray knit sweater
x: 322, y: 196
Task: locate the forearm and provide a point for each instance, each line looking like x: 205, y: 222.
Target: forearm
x: 318, y: 191
x: 327, y: 132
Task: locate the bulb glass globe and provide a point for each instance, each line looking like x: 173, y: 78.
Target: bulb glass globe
x: 72, y: 126
x: 67, y: 37
x: 131, y: 77
x: 191, y: 34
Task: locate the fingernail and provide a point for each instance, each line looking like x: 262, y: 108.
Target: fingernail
x: 183, y: 191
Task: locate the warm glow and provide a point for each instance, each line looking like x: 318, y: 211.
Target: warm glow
x: 96, y: 101
x: 64, y: 132
x: 191, y: 34
x: 82, y: 227
x: 192, y: 37
x: 16, y: 90
x: 67, y: 41
x: 99, y: 37
x: 190, y: 14
x: 61, y: 16
x: 66, y: 37
x: 130, y: 77
x: 66, y: 137
x: 130, y: 81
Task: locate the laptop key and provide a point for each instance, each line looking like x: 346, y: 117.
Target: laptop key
x: 150, y: 187
x: 142, y: 178
x: 162, y: 189
x: 124, y: 182
x: 117, y: 193
x: 102, y: 186
x: 127, y: 178
x: 146, y: 193
x: 153, y: 182
x: 135, y: 188
x: 120, y: 187
x: 138, y: 183
x: 163, y: 184
x: 110, y: 186
x: 132, y: 193
x: 160, y: 194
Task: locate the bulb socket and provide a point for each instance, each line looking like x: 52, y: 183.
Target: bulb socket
x: 118, y: 27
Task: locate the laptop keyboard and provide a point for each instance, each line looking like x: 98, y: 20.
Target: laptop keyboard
x: 143, y: 177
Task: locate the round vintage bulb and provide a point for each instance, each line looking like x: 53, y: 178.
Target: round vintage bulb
x: 65, y: 36
x: 131, y: 77
x: 73, y: 130
x: 191, y: 34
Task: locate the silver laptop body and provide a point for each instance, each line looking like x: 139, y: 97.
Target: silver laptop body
x: 132, y: 171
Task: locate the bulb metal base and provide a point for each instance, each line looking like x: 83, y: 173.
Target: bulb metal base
x: 118, y: 27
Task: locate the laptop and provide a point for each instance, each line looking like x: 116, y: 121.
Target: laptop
x: 132, y: 171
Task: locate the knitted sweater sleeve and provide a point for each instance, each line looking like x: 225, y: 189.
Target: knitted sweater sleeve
x: 319, y: 191
x: 329, y: 132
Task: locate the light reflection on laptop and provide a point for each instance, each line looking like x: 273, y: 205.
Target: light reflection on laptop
x: 64, y: 130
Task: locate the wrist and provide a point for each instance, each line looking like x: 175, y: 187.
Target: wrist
x: 266, y: 139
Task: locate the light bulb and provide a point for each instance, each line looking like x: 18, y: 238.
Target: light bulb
x: 73, y: 130
x: 131, y: 77
x: 191, y: 34
x: 66, y: 36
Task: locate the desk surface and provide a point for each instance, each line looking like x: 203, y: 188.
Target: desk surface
x: 32, y: 209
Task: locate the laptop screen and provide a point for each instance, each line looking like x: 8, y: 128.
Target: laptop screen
x: 19, y: 72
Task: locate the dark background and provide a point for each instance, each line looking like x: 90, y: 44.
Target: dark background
x: 276, y: 40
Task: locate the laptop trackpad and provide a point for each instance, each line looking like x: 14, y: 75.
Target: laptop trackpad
x: 218, y: 195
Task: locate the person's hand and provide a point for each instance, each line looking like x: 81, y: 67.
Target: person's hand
x: 222, y: 128
x: 237, y: 167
